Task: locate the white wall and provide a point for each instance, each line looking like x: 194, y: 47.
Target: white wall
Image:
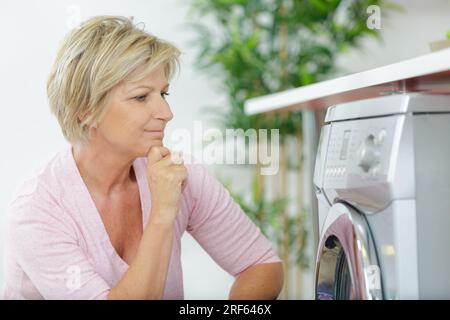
x: 30, y: 32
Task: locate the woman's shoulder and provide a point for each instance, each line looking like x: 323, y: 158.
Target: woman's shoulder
x: 40, y: 188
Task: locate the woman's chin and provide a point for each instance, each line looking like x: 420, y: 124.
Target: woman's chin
x: 148, y: 145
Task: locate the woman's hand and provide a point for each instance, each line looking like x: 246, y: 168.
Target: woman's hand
x: 166, y: 176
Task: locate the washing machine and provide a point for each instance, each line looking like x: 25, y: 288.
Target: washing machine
x: 382, y: 180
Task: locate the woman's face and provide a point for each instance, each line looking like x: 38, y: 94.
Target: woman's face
x: 136, y: 115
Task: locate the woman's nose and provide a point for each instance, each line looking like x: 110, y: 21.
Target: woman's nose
x: 163, y: 111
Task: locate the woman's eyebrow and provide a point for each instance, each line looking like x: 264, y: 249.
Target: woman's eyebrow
x: 147, y: 87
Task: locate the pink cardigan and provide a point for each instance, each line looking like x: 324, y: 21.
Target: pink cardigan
x: 57, y: 246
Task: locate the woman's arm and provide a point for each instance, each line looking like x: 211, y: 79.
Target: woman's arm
x: 261, y: 281
x: 229, y: 236
x: 146, y: 276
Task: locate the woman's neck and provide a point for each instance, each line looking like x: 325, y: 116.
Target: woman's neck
x: 103, y: 169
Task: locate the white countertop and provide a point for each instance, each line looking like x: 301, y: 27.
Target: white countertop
x: 430, y: 73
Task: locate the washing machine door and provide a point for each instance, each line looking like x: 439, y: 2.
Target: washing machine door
x: 347, y: 265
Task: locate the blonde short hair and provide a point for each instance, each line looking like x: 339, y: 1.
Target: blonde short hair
x: 95, y: 57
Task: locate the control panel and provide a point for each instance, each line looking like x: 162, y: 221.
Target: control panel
x: 359, y: 151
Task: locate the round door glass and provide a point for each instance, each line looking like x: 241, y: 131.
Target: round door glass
x: 334, y: 279
x: 347, y: 266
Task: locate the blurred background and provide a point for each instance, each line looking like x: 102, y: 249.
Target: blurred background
x: 232, y: 50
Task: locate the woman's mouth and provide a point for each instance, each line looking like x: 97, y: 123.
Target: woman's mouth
x: 154, y: 133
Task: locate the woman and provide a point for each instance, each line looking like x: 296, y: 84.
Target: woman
x: 104, y: 218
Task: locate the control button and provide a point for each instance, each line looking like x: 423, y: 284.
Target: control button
x: 381, y: 136
x: 369, y: 155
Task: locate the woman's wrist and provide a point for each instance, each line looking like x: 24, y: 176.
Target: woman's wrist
x: 162, y: 217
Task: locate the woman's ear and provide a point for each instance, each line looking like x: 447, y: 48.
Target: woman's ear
x: 80, y: 120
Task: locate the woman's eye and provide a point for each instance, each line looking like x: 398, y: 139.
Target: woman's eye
x: 141, y: 98
x: 164, y: 94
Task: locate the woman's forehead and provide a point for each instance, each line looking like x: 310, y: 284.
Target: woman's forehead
x: 154, y: 78
x: 149, y: 83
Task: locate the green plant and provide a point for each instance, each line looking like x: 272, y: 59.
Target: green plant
x: 448, y: 34
x: 258, y: 47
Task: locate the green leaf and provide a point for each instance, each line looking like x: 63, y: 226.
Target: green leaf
x: 305, y: 76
